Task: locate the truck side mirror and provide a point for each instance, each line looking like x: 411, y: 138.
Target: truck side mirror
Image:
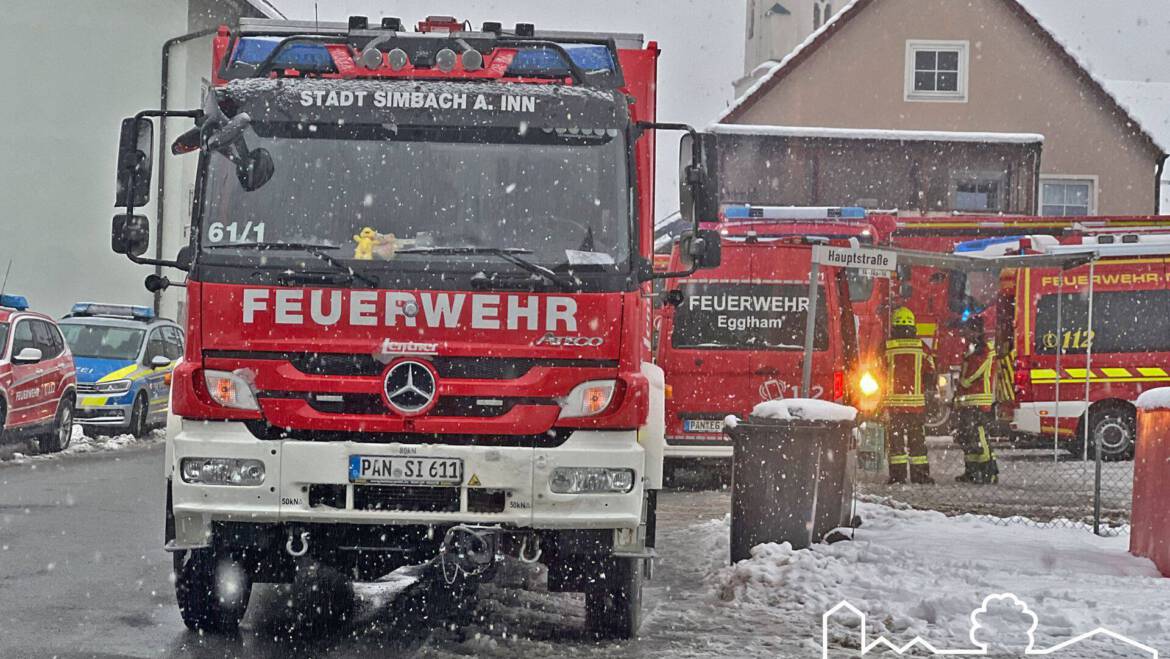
x: 704, y: 249
x: 135, y: 162
x: 697, y: 180
x: 130, y: 235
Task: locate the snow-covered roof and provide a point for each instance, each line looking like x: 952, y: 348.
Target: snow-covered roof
x: 878, y: 134
x: 1147, y: 108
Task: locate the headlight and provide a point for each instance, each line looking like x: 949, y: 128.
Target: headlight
x: 230, y: 390
x: 590, y: 480
x: 868, y: 384
x: 112, y: 387
x: 222, y: 471
x: 588, y: 399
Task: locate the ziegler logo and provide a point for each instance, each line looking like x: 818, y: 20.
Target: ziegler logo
x: 551, y: 339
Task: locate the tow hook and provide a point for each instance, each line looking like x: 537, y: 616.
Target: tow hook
x: 467, y: 550
x: 536, y: 551
x: 293, y: 541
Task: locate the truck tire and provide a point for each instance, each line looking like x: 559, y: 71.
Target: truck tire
x: 613, y: 605
x: 61, y: 433
x: 212, y: 590
x: 1115, y: 426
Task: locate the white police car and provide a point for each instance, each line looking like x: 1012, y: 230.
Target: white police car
x: 124, y: 356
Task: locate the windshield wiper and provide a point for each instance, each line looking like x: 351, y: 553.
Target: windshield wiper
x: 315, y: 249
x: 508, y: 254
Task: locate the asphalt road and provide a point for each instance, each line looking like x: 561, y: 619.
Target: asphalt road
x: 83, y: 574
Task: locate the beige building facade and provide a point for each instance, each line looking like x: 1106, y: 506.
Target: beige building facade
x: 975, y: 65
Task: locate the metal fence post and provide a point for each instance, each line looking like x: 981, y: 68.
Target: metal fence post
x: 810, y: 326
x: 1088, y: 379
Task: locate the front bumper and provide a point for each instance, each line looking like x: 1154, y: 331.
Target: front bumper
x: 700, y: 446
x: 296, y: 470
x: 1037, y: 417
x: 102, y: 415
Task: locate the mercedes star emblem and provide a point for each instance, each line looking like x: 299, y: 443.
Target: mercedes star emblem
x: 410, y: 387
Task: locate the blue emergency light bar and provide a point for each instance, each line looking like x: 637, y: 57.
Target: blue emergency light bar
x: 748, y: 212
x: 529, y: 62
x: 17, y: 302
x: 137, y: 312
x: 983, y: 243
x: 310, y: 56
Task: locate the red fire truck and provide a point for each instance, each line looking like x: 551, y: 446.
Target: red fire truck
x: 1069, y: 351
x: 419, y: 328
x: 734, y: 336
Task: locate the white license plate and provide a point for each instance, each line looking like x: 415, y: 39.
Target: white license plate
x: 703, y: 425
x: 409, y: 470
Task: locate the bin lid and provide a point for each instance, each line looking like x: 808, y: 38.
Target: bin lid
x: 804, y: 409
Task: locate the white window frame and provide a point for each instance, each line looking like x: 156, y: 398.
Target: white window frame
x: 915, y: 45
x: 1091, y: 179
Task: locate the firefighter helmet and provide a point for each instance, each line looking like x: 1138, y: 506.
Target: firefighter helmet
x: 903, y: 317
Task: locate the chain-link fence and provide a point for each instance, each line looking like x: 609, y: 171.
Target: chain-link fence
x: 1038, y: 484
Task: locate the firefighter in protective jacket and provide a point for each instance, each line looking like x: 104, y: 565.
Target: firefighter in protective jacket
x: 909, y: 370
x: 973, y: 406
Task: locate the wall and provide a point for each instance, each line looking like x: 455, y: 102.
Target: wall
x: 81, y: 70
x: 1017, y: 84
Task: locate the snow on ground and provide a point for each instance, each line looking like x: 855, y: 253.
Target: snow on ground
x: 917, y: 573
x: 912, y: 572
x: 25, y: 452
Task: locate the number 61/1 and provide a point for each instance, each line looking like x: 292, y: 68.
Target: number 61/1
x: 216, y: 232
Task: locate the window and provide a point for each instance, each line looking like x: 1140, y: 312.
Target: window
x: 156, y: 346
x: 174, y: 340
x: 936, y: 70
x: 48, y: 341
x: 822, y: 12
x: 1123, y: 321
x: 977, y: 192
x: 103, y: 341
x: 732, y: 316
x: 1068, y: 196
x: 22, y: 337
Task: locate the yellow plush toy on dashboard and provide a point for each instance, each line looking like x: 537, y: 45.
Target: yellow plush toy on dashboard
x: 365, y: 244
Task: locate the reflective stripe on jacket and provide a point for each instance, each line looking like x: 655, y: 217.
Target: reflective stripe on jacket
x: 908, y: 364
x: 975, y: 380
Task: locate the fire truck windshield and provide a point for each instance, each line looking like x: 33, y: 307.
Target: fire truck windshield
x: 404, y: 195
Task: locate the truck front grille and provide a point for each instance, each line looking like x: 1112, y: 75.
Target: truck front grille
x: 406, y: 498
x: 479, y: 368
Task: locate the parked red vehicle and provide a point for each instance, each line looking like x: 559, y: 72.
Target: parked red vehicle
x: 1059, y: 364
x: 734, y: 336
x: 37, y: 378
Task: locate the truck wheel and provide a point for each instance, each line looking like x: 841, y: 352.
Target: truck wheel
x: 212, y: 590
x: 138, y: 417
x: 62, y: 432
x: 613, y: 606
x: 1114, y: 428
x: 323, y: 595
